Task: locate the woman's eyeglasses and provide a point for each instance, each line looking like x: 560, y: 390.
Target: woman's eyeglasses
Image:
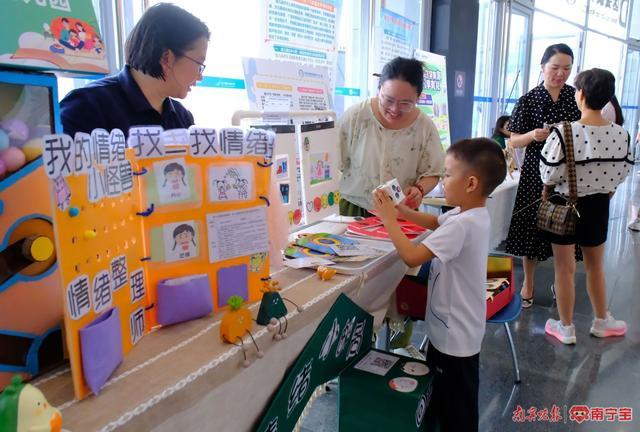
x: 201, y: 66
x: 387, y: 102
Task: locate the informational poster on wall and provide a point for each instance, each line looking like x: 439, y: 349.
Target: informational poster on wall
x: 319, y: 169
x: 433, y: 100
x: 274, y: 85
x: 397, y: 32
x: 302, y: 31
x: 61, y: 34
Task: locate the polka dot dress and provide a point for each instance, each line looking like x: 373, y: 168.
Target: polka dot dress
x: 531, y: 112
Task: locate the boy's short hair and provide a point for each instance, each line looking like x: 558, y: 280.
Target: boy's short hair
x: 162, y: 27
x: 485, y: 157
x: 598, y: 87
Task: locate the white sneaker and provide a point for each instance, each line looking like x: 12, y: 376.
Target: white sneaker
x: 565, y: 334
x: 635, y: 225
x: 608, y: 327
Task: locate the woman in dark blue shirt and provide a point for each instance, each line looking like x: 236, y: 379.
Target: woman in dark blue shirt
x: 165, y: 55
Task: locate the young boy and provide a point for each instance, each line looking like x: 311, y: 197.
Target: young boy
x: 458, y: 246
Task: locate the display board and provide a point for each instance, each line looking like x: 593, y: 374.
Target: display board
x: 433, y: 101
x: 132, y: 217
x: 320, y: 177
x: 274, y: 85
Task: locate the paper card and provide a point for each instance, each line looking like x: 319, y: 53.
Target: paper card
x: 117, y: 146
x: 100, y: 146
x: 96, y: 183
x: 180, y: 241
x: 307, y: 262
x: 78, y: 297
x: 102, y: 291
x: 62, y: 193
x: 126, y: 177
x: 237, y: 233
x: 232, y: 281
x: 82, y: 158
x: 203, y: 142
x: 114, y: 185
x: 136, y: 325
x: 281, y: 166
x: 232, y: 141
x: 256, y: 261
x: 175, y: 136
x: 172, y: 181
x: 355, y: 249
x: 284, y: 188
x: 119, y: 272
x: 138, y: 286
x: 231, y: 183
x: 259, y: 142
x: 377, y: 363
x: 146, y: 141
x: 319, y: 168
x: 57, y: 155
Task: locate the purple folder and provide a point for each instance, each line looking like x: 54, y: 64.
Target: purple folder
x: 101, y: 348
x: 183, y: 299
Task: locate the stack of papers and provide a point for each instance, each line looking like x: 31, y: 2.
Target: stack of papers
x: 373, y: 228
x: 331, y: 247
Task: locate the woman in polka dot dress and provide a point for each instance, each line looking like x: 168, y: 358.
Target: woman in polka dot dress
x: 551, y: 102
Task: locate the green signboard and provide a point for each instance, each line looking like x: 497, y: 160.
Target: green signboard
x: 52, y: 34
x: 433, y: 101
x: 343, y: 336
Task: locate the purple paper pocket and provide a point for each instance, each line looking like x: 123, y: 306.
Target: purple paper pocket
x: 183, y: 299
x: 101, y: 348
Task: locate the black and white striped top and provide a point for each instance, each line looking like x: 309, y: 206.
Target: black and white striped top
x: 602, y: 153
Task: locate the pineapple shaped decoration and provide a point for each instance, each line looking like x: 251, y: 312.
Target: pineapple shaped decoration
x: 236, y: 323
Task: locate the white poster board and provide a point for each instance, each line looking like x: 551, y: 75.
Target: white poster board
x: 320, y: 177
x: 434, y: 101
x: 274, y: 85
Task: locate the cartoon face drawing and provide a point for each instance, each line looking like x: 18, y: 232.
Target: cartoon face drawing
x: 183, y: 237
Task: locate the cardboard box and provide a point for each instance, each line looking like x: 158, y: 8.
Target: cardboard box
x: 384, y: 392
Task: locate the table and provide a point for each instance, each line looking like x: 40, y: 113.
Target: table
x: 184, y: 378
x: 499, y: 204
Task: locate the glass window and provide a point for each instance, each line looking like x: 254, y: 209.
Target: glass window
x: 634, y: 21
x: 571, y: 10
x: 351, y: 64
x: 485, y: 52
x: 630, y: 99
x: 397, y: 32
x: 609, y: 17
x: 514, y: 83
x: 613, y: 61
x: 548, y: 30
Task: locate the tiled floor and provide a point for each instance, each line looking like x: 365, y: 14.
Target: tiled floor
x: 595, y: 372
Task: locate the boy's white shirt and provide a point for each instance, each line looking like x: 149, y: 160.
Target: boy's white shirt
x: 456, y: 304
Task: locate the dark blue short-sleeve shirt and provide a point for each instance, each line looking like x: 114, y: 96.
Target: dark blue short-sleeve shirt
x: 117, y: 102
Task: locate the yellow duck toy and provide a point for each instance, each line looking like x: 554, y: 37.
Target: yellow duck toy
x: 23, y: 408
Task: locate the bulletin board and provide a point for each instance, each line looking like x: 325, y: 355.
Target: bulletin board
x: 285, y: 172
x: 99, y: 250
x: 209, y: 202
x: 318, y: 149
x: 127, y: 218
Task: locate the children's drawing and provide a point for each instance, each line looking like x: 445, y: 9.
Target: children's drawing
x: 172, y: 181
x: 319, y: 168
x: 63, y: 193
x: 256, y: 261
x: 282, y: 166
x: 284, y: 192
x: 180, y: 241
x: 228, y: 183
